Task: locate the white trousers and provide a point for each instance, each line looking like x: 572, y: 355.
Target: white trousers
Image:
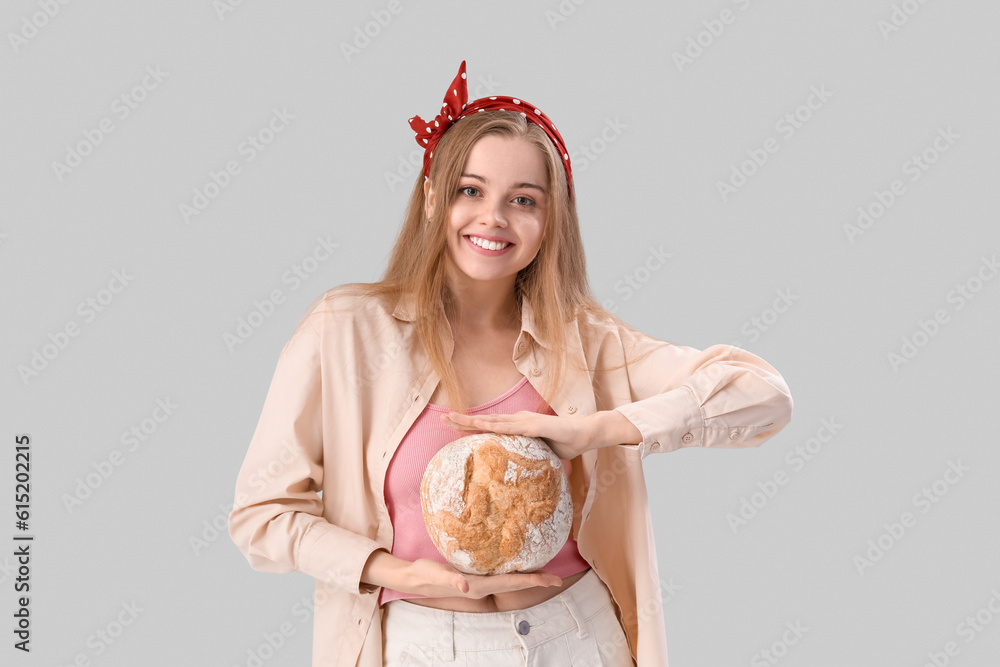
x: 578, y: 627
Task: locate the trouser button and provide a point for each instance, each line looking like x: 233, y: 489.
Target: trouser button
x: 523, y: 627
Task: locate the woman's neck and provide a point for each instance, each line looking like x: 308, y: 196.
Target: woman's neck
x: 479, y: 305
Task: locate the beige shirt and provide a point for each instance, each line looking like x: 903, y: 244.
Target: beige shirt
x: 347, y: 387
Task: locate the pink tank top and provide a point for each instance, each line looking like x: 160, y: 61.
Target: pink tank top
x: 425, y: 438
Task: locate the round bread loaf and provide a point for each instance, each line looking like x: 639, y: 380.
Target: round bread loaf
x: 495, y: 503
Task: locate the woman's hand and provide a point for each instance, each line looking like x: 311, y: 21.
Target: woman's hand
x: 567, y: 437
x: 433, y: 579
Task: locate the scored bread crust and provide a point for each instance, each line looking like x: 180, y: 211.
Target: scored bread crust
x: 496, y: 503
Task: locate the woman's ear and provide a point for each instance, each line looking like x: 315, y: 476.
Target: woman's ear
x: 429, y: 196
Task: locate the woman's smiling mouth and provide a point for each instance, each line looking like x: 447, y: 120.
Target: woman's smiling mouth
x: 487, y: 247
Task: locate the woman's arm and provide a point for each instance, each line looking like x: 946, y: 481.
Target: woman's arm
x: 384, y: 569
x: 611, y: 427
x: 277, y: 517
x: 433, y: 579
x: 723, y: 396
x: 277, y: 520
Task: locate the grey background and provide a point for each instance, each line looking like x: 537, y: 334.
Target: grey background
x: 654, y: 184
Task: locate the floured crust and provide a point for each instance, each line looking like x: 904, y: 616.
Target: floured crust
x: 495, y: 503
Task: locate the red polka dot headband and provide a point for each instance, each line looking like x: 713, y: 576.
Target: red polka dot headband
x: 456, y: 107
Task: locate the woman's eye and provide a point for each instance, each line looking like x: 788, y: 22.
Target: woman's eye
x: 472, y: 191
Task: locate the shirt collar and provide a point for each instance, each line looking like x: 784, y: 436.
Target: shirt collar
x: 405, y: 310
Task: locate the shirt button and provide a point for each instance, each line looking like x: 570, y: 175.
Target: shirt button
x: 535, y: 371
x: 524, y: 627
x: 734, y: 435
x: 520, y: 346
x: 655, y: 445
x: 687, y: 437
x: 571, y: 409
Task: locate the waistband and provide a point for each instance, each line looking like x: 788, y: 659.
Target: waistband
x: 467, y: 631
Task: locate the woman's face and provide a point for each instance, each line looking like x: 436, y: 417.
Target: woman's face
x: 501, y: 196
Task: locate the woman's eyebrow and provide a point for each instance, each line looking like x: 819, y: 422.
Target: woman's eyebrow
x: 516, y: 185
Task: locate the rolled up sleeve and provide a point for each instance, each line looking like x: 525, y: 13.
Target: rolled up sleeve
x: 721, y: 397
x: 277, y: 519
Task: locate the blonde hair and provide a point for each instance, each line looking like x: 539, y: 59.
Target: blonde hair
x: 555, y: 281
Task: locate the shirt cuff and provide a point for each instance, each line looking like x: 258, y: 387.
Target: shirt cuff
x: 679, y: 414
x: 335, y: 555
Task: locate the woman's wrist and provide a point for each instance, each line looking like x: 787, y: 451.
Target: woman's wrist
x: 614, y: 428
x: 384, y: 569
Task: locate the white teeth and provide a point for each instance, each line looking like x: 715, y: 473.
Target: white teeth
x: 489, y: 245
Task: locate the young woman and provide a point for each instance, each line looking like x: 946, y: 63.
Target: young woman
x: 485, y: 303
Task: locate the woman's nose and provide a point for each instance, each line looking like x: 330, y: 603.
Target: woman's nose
x: 493, y: 212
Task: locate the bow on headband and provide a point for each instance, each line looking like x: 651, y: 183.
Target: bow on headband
x: 456, y: 106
